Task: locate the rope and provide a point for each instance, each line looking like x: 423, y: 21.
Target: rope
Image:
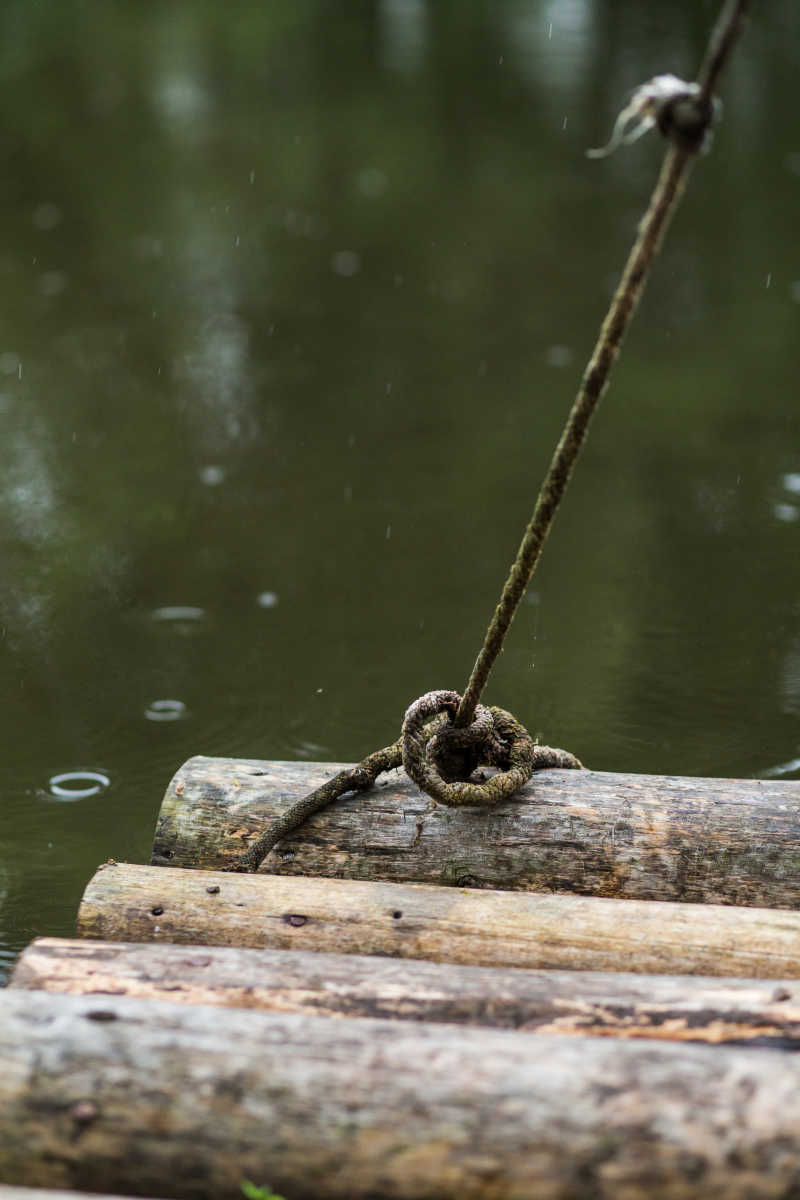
x: 686, y: 117
x: 445, y: 736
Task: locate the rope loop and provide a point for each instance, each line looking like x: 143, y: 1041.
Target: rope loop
x: 442, y: 765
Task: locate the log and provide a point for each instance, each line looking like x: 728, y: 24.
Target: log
x: 127, y: 902
x: 143, y: 1097
x: 640, y: 837
x: 666, y: 1007
x: 29, y: 1193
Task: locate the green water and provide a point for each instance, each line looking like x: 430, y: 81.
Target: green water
x: 295, y: 299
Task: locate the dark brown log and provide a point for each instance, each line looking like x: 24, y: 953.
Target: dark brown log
x: 114, y: 1094
x: 639, y: 837
x: 125, y: 902
x: 668, y: 1007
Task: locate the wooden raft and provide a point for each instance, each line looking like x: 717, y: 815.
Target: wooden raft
x: 638, y: 837
x: 517, y: 1060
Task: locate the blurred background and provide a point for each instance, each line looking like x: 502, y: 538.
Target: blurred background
x: 295, y: 299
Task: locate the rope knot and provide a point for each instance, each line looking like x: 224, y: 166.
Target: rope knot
x: 442, y: 759
x: 680, y: 111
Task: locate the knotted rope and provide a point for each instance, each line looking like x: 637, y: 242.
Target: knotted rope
x: 439, y: 757
x: 446, y: 736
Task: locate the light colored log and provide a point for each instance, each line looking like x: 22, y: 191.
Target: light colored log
x: 642, y: 837
x: 668, y: 1007
x: 126, y: 902
x: 29, y: 1193
x: 115, y: 1094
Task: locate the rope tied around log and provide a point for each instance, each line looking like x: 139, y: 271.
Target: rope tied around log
x: 439, y: 757
x: 441, y: 764
x: 446, y: 736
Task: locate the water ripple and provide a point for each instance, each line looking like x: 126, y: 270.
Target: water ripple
x: 77, y: 785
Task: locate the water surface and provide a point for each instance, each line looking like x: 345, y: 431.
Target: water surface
x: 295, y: 299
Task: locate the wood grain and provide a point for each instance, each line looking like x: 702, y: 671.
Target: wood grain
x: 642, y: 837
x: 121, y: 1095
x: 125, y: 902
x: 666, y: 1007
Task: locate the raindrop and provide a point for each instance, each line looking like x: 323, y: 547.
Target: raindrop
x: 47, y: 216
x: 372, y: 182
x: 77, y: 785
x: 267, y: 599
x: 792, y: 482
x: 346, y: 263
x: 212, y: 475
x: 178, y: 612
x: 52, y: 283
x: 786, y: 512
x: 182, y: 98
x: 558, y: 356
x: 182, y: 620
x: 166, y: 710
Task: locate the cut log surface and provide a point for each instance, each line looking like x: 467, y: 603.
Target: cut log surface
x: 640, y: 837
x: 122, y: 1095
x: 126, y: 902
x: 668, y: 1007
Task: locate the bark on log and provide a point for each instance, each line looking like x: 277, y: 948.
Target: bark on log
x: 641, y: 837
x: 666, y: 1007
x: 150, y: 1098
x: 126, y: 902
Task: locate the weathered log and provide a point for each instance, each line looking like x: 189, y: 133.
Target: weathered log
x: 641, y: 837
x: 29, y: 1193
x: 668, y: 1007
x: 126, y: 902
x: 116, y: 1094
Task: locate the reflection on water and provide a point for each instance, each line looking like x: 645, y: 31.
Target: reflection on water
x: 296, y: 303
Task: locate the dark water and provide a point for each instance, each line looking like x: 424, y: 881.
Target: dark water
x: 295, y: 299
